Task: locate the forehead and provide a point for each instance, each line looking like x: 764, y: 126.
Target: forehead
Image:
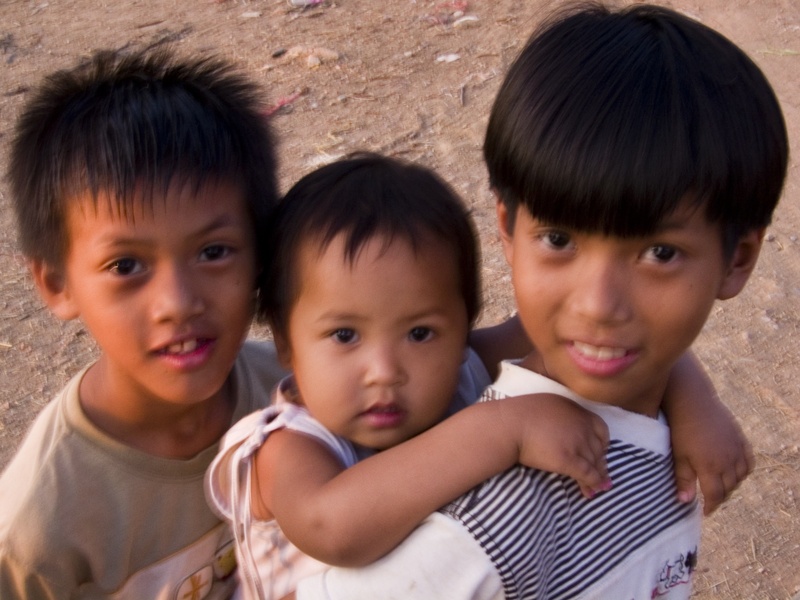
x: 181, y: 201
x: 375, y: 248
x: 379, y: 262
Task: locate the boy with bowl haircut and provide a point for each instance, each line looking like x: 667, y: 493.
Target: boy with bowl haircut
x: 140, y: 184
x: 637, y: 157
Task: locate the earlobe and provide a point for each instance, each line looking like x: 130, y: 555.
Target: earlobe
x: 742, y: 263
x: 51, y: 283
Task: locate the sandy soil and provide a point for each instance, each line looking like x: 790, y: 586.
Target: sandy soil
x: 410, y: 79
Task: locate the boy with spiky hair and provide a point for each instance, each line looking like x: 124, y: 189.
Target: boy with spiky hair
x: 140, y: 183
x: 637, y: 157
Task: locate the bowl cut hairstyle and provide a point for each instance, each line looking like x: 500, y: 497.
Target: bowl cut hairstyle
x: 362, y: 196
x: 131, y: 125
x: 608, y: 120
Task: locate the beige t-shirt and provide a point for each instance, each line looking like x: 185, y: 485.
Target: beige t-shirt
x: 84, y: 516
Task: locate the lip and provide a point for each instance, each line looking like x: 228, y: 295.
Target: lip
x: 186, y: 353
x: 384, y: 416
x: 601, y: 360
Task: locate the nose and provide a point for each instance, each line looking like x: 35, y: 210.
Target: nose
x: 601, y: 291
x: 384, y: 366
x: 175, y: 297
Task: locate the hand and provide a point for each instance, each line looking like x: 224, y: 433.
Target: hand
x: 558, y: 435
x: 714, y: 451
x: 707, y: 443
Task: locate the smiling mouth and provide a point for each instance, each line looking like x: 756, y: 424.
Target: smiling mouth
x: 184, y: 347
x: 599, y: 352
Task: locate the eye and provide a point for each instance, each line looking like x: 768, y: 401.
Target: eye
x: 215, y: 252
x: 344, y: 336
x: 661, y: 253
x: 420, y: 334
x: 125, y: 267
x: 556, y: 239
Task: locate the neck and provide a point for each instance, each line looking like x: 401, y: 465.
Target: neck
x: 152, y: 425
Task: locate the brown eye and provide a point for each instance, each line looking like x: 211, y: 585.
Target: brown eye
x: 420, y: 334
x: 125, y: 266
x: 344, y: 336
x: 662, y: 253
x: 557, y: 239
x: 215, y: 252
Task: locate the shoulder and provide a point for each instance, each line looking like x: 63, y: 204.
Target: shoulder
x: 33, y: 473
x: 38, y: 489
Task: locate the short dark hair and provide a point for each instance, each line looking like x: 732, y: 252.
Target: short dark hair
x: 608, y: 120
x: 361, y: 196
x: 130, y: 124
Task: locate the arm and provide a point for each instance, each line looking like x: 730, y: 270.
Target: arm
x: 707, y: 442
x: 353, y: 516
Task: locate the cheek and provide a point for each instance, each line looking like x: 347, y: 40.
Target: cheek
x: 531, y: 292
x: 676, y: 318
x: 436, y: 382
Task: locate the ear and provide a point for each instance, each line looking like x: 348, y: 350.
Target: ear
x: 51, y: 283
x: 741, y: 264
x: 284, y: 350
x: 504, y: 227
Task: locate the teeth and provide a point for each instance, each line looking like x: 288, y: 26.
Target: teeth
x: 599, y: 352
x: 183, y: 347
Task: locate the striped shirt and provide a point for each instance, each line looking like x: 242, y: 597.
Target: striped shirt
x: 547, y: 541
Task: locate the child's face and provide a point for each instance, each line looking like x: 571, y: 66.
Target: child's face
x: 167, y: 291
x: 375, y: 345
x: 610, y: 316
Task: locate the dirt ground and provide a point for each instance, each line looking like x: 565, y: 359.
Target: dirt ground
x: 415, y: 78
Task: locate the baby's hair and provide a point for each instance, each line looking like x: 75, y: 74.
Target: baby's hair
x: 129, y: 126
x: 608, y: 120
x: 363, y: 196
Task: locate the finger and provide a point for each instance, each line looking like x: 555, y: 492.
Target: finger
x: 597, y: 453
x: 594, y: 453
x: 600, y: 429
x: 713, y: 488
x: 587, y: 491
x: 591, y: 473
x: 585, y: 472
x: 685, y: 480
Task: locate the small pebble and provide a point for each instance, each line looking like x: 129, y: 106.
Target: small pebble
x: 448, y: 58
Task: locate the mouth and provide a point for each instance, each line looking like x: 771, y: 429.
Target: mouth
x: 601, y: 361
x: 382, y: 410
x: 599, y: 353
x: 184, y: 347
x: 384, y: 416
